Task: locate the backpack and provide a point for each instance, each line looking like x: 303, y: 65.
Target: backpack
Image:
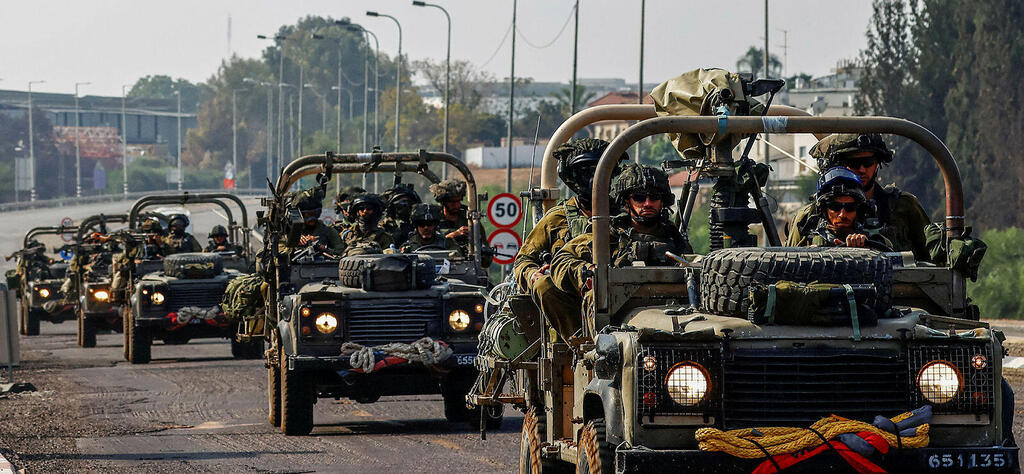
x: 243, y: 298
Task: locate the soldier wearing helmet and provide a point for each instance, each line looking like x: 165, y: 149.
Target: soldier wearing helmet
x: 366, y: 236
x: 341, y: 203
x: 424, y: 219
x: 454, y: 216
x: 842, y: 207
x: 399, y: 202
x: 219, y: 241
x: 177, y: 240
x: 894, y: 214
x: 312, y: 231
x: 642, y: 233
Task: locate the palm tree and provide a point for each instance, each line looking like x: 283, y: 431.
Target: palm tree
x: 563, y: 99
x: 753, y: 61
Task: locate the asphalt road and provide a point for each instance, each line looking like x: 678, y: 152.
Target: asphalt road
x: 195, y: 409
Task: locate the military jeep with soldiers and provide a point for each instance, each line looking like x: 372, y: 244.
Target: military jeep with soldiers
x: 87, y: 284
x: 750, y: 358
x: 170, y: 290
x: 346, y: 323
x: 37, y: 280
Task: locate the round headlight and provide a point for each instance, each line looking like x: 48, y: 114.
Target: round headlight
x: 939, y: 381
x: 458, y: 320
x: 45, y: 293
x: 157, y: 298
x: 101, y: 295
x: 687, y: 383
x: 326, y: 323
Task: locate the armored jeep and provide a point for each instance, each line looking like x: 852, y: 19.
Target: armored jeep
x: 367, y: 326
x: 90, y: 279
x: 39, y: 281
x: 177, y: 298
x: 668, y: 360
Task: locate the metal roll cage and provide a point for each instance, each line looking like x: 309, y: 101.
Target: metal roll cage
x: 220, y: 199
x: 403, y: 162
x: 47, y: 230
x: 91, y: 222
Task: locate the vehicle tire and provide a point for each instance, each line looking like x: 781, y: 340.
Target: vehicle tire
x: 388, y: 272
x: 32, y: 322
x: 81, y: 330
x: 193, y: 265
x: 274, y: 389
x: 139, y: 343
x: 297, y: 399
x: 595, y: 454
x: 456, y: 410
x: 727, y: 274
x: 22, y: 319
x: 86, y: 331
x: 125, y: 330
x: 253, y: 349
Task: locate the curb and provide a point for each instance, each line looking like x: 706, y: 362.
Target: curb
x: 6, y: 467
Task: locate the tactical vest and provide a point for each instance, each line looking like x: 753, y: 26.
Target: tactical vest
x: 648, y: 248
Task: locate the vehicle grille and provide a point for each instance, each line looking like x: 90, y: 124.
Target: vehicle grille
x: 372, y: 322
x: 203, y: 296
x: 652, y: 382
x: 976, y: 396
x: 796, y: 387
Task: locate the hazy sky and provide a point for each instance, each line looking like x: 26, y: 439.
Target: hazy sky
x: 114, y: 42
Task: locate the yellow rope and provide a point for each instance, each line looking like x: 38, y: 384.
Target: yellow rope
x: 785, y: 440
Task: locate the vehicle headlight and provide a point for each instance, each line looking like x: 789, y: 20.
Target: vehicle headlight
x: 458, y: 320
x: 157, y: 298
x: 101, y: 295
x: 44, y: 292
x: 687, y: 383
x: 939, y: 381
x: 326, y: 323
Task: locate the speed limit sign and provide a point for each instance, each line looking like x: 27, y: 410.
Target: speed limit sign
x: 504, y: 210
x: 506, y: 243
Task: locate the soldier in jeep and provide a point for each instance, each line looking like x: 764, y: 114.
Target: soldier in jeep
x: 366, y: 235
x: 642, y: 234
x: 341, y: 206
x: 219, y: 241
x: 842, y: 206
x: 399, y: 202
x: 424, y: 219
x: 894, y: 214
x: 454, y: 220
x: 314, y: 231
x: 177, y: 240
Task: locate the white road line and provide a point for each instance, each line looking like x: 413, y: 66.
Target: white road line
x: 1013, y: 362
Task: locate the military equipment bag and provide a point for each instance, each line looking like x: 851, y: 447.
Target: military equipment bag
x: 243, y: 298
x: 812, y: 304
x: 387, y: 272
x: 193, y: 265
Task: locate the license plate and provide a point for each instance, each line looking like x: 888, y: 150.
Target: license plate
x: 465, y: 359
x: 196, y: 321
x: 961, y: 461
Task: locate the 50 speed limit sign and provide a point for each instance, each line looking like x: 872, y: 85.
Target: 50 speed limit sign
x: 505, y: 210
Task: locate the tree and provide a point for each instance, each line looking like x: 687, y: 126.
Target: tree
x: 163, y: 87
x: 466, y: 80
x: 753, y: 61
x: 1001, y: 278
x: 564, y: 99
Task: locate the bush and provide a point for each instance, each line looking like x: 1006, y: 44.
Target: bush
x: 1001, y: 277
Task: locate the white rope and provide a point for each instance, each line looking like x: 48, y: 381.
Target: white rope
x: 425, y: 351
x: 791, y: 156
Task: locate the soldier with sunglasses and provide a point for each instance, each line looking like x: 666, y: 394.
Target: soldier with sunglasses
x: 842, y: 207
x: 892, y: 213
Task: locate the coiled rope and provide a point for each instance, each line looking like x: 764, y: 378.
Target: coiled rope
x: 425, y: 351
x: 753, y: 443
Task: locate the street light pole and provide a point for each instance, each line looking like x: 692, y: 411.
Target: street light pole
x: 78, y: 156
x: 447, y: 77
x: 575, y: 55
x: 234, y: 132
x: 301, y: 86
x: 269, y: 131
x: 640, y: 83
x: 511, y: 101
x: 31, y: 141
x: 124, y: 138
x: 398, y: 78
x: 178, y: 93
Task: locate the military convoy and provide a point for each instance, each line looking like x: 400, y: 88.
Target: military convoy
x: 88, y: 281
x: 177, y: 298
x: 38, y: 279
x: 671, y: 357
x: 367, y: 326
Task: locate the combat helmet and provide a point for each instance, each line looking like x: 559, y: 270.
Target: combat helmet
x: 366, y: 200
x: 394, y: 197
x: 830, y: 150
x: 344, y: 197
x: 835, y: 182
x: 448, y: 190
x: 429, y: 213
x: 640, y: 177
x: 152, y: 226
x: 219, y: 230
x: 178, y: 217
x: 576, y: 160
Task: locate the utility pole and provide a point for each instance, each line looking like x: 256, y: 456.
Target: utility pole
x: 447, y: 78
x: 301, y: 87
x: 78, y: 132
x: 31, y: 141
x: 234, y: 131
x: 640, y: 83
x: 398, y: 78
x: 180, y: 177
x: 511, y: 101
x: 785, y: 51
x: 124, y: 138
x: 575, y: 55
x: 764, y: 146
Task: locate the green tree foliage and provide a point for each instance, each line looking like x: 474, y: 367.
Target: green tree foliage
x: 753, y: 61
x: 163, y: 87
x: 1001, y: 278
x: 14, y: 143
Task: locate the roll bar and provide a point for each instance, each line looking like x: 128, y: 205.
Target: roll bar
x: 46, y: 229
x: 91, y: 222
x: 407, y: 162
x: 600, y: 113
x: 188, y: 198
x: 749, y: 125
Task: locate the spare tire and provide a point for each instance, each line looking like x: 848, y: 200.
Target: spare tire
x: 193, y: 265
x: 727, y: 274
x: 377, y: 272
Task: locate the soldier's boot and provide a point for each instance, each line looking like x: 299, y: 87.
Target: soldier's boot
x: 561, y: 309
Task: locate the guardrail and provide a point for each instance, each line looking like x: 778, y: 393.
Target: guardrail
x: 65, y: 202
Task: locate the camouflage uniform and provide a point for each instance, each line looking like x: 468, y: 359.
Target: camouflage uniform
x: 893, y: 214
x: 429, y: 214
x: 151, y: 248
x: 219, y: 230
x: 309, y: 202
x: 341, y: 202
x: 397, y: 220
x: 180, y: 242
x: 452, y: 190
x: 559, y: 225
x: 366, y: 236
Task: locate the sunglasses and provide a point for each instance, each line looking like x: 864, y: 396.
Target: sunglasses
x: 425, y: 224
x: 642, y: 197
x: 858, y: 163
x: 836, y: 206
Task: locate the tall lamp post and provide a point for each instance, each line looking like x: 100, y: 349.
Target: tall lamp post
x: 640, y: 81
x: 511, y: 101
x: 124, y: 138
x: 178, y: 94
x: 447, y: 76
x: 398, y: 77
x: 31, y: 141
x: 78, y: 156
x: 280, y: 99
x: 234, y: 131
x: 269, y: 130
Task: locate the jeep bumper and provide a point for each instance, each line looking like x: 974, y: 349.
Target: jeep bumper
x: 932, y: 460
x: 337, y: 363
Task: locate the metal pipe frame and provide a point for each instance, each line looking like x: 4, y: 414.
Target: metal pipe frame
x: 90, y: 222
x: 46, y: 230
x: 188, y: 198
x: 408, y: 162
x: 749, y: 125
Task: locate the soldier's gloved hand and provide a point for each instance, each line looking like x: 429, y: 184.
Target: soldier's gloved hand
x: 966, y: 253
x: 306, y: 239
x: 539, y: 273
x: 856, y: 240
